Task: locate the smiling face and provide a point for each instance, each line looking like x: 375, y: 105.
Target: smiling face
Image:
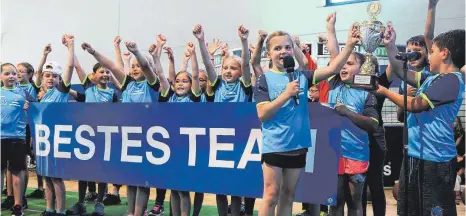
x: 9, y: 75
x: 50, y: 79
x: 279, y: 47
x: 136, y: 70
x: 182, y: 84
x: 102, y: 76
x: 231, y: 69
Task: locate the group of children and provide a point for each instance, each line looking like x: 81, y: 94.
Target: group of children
x: 281, y: 106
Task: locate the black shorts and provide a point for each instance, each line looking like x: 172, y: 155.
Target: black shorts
x: 14, y: 153
x: 284, y: 161
x: 430, y: 188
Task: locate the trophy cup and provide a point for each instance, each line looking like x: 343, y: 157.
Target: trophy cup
x: 371, y: 36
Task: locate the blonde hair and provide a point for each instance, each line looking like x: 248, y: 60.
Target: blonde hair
x: 276, y: 34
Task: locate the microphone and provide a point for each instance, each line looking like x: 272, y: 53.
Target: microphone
x: 408, y: 56
x: 288, y: 64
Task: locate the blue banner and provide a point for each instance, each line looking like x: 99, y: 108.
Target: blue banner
x: 201, y: 147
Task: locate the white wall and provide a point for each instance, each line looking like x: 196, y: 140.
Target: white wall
x: 27, y: 25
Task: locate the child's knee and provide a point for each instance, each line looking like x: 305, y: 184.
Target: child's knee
x: 271, y: 195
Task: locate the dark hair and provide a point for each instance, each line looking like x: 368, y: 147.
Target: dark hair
x: 453, y: 41
x: 417, y: 40
x: 270, y: 63
x: 29, y: 69
x: 361, y: 58
x: 96, y: 67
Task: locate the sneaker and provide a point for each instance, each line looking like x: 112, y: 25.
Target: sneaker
x: 90, y: 197
x: 4, y: 192
x: 304, y: 213
x: 98, y: 209
x: 36, y: 194
x: 46, y: 213
x: 25, y: 203
x: 157, y: 210
x: 111, y: 199
x: 8, y: 203
x: 17, y: 210
x: 76, y: 209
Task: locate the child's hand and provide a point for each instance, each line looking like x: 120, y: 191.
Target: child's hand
x: 331, y: 20
x: 411, y: 91
x: 153, y: 49
x: 212, y: 48
x: 26, y: 105
x: 342, y: 109
x: 251, y: 48
x: 305, y: 47
x: 87, y: 47
x: 169, y: 52
x: 126, y: 56
x: 389, y: 35
x: 296, y: 40
x: 262, y: 35
x: 198, y: 32
x: 322, y: 38
x: 292, y: 89
x: 225, y: 52
x: 191, y: 48
x: 67, y: 40
x: 243, y: 32
x: 131, y: 46
x: 117, y: 41
x: 187, y: 55
x: 353, y: 35
x: 161, y: 40
x: 47, y: 49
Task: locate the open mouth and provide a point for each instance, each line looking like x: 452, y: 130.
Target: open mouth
x: 228, y: 76
x: 344, y: 73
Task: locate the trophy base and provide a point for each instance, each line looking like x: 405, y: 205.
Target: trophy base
x: 366, y: 82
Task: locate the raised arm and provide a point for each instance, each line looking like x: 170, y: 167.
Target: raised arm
x: 118, y: 58
x: 115, y: 81
x: 213, y: 47
x: 196, y: 89
x: 143, y: 63
x: 79, y: 69
x: 209, y: 66
x: 396, y: 66
x: 415, y: 104
x: 127, y: 64
x: 337, y: 64
x: 184, y: 64
x: 243, y: 34
x: 68, y: 41
x: 171, y: 64
x: 257, y: 52
x: 332, y: 42
x: 47, y: 50
x: 107, y: 63
x: 299, y: 55
x: 156, y: 51
x: 430, y: 24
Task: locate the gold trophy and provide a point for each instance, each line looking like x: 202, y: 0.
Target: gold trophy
x: 371, y: 36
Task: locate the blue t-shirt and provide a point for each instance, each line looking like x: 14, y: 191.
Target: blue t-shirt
x: 289, y: 129
x: 431, y: 134
x: 31, y: 90
x: 424, y: 72
x: 171, y: 97
x: 230, y: 92
x: 94, y: 94
x: 354, y: 140
x: 58, y: 94
x: 12, y: 113
x: 139, y: 92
